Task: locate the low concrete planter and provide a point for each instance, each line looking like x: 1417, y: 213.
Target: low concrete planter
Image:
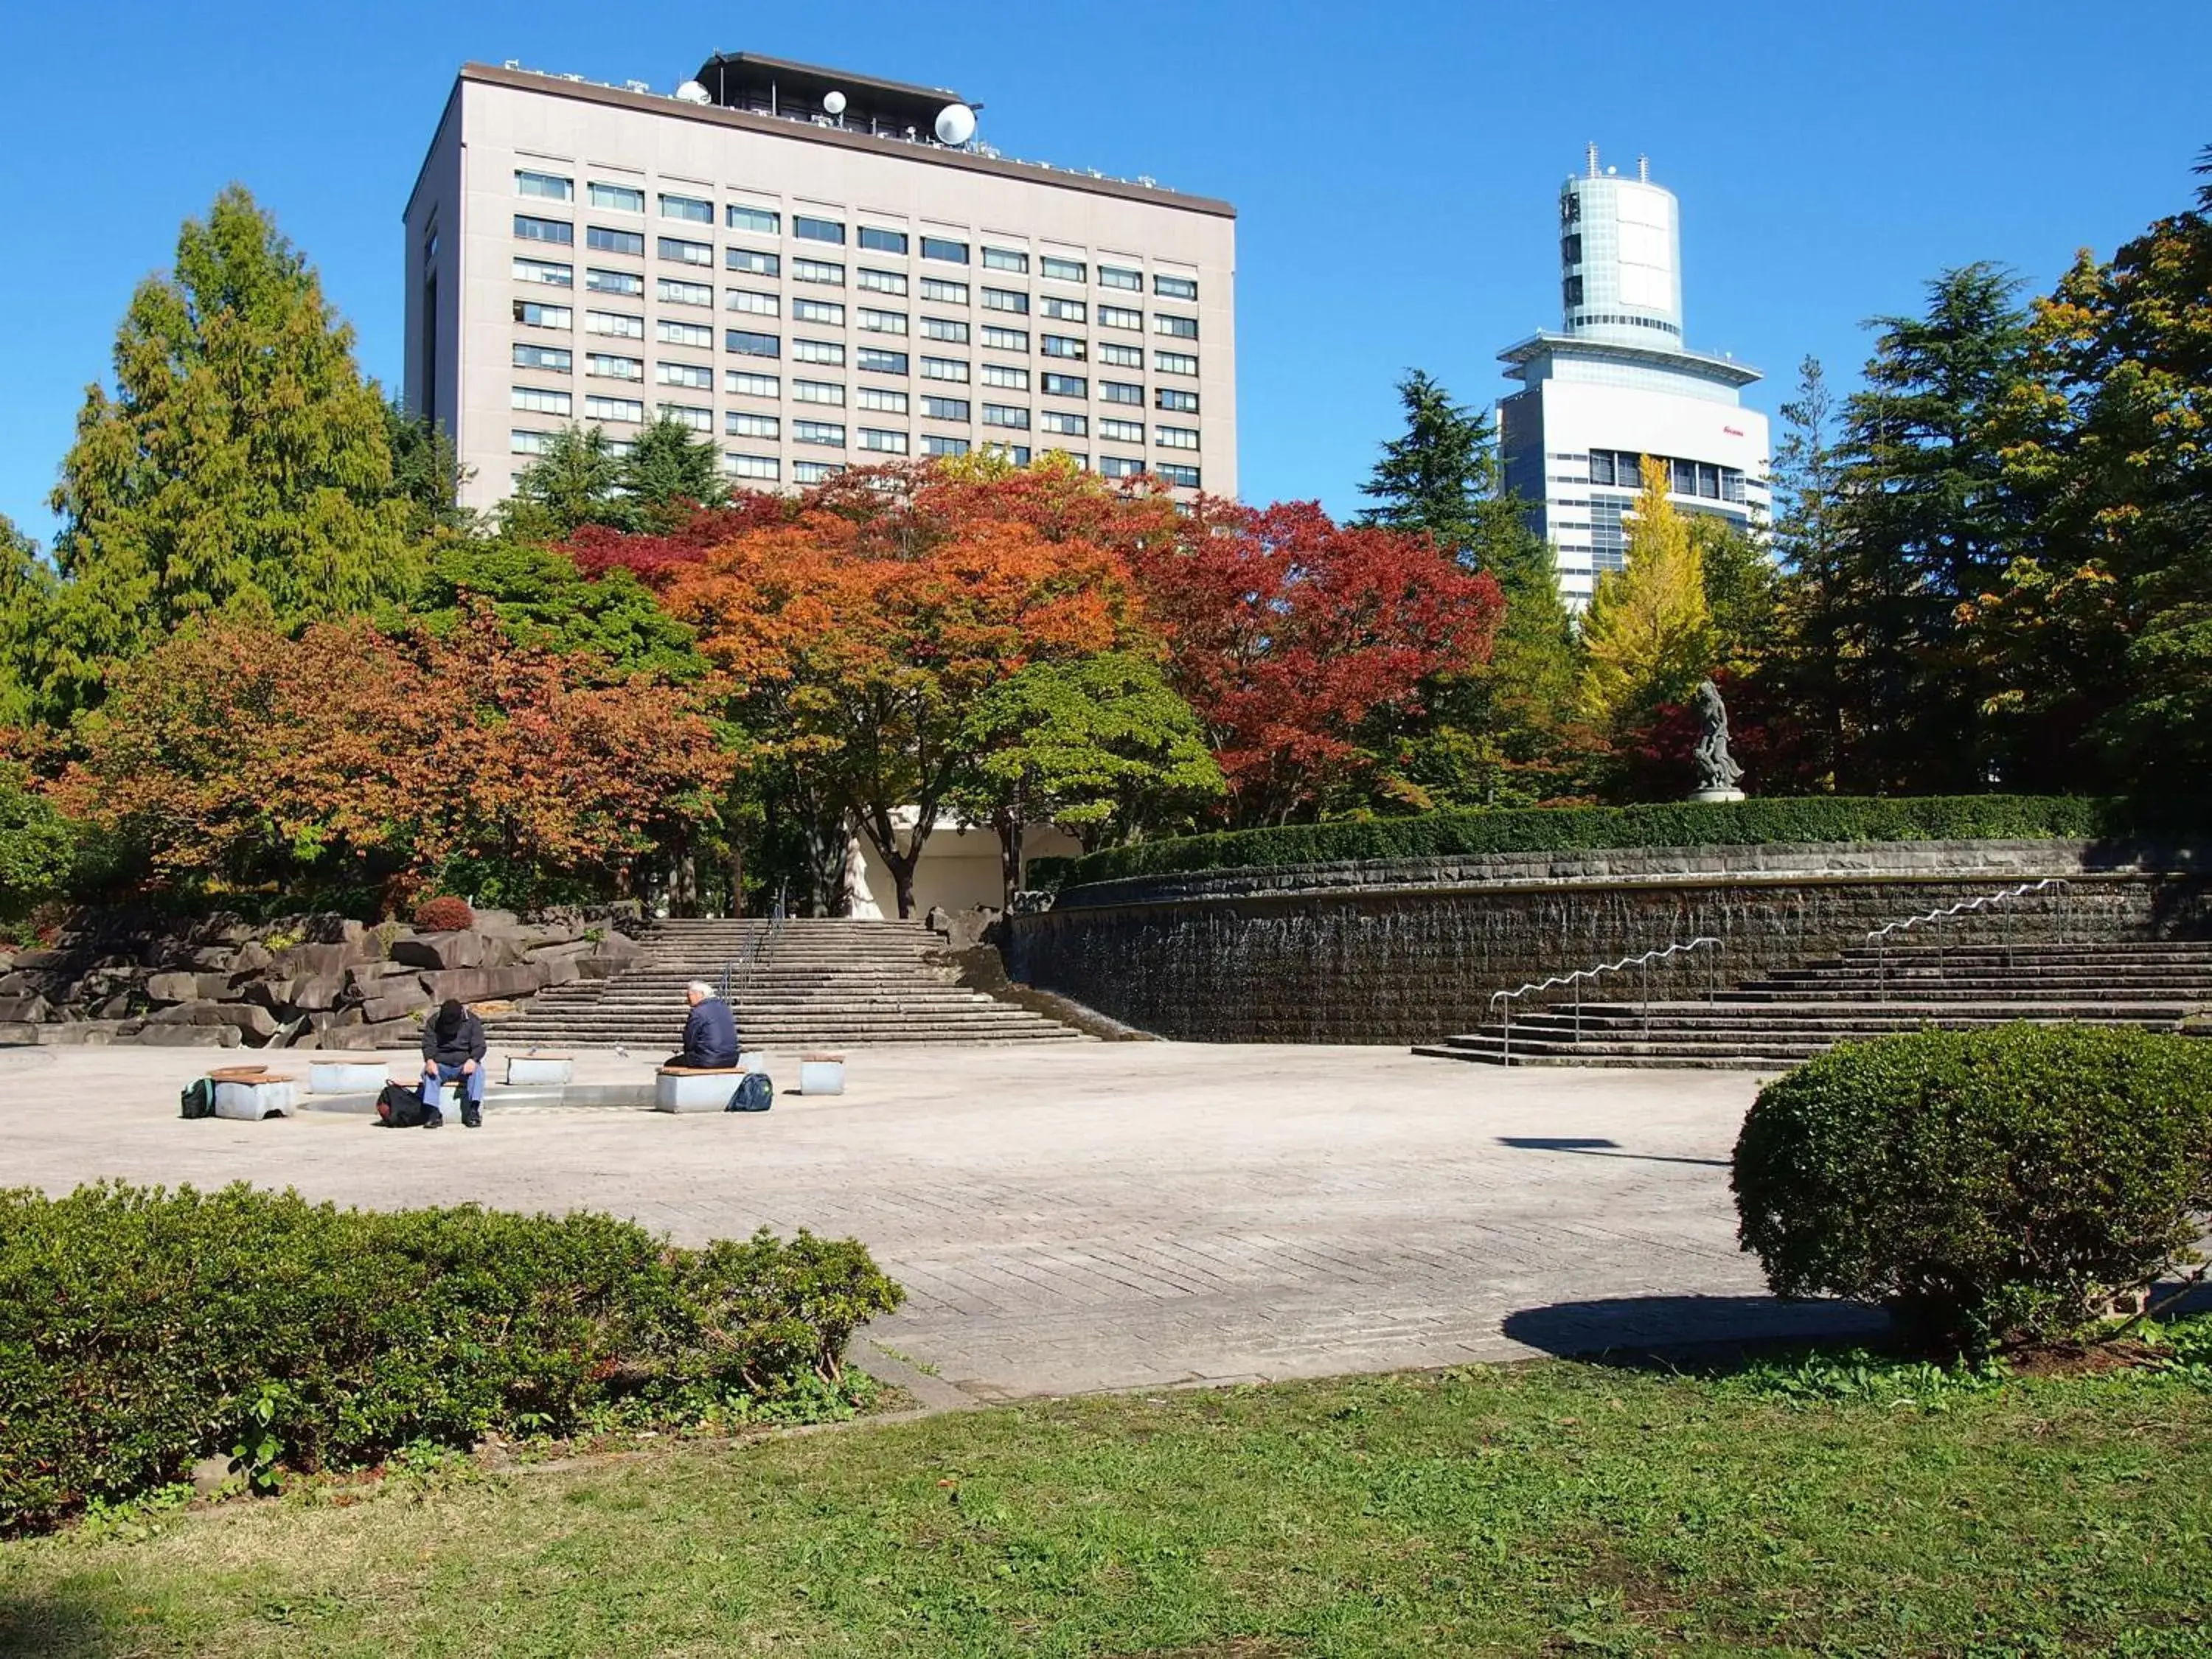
x: 274, y: 1097
x: 701, y: 1091
x: 343, y: 1077
x: 822, y: 1074
x: 537, y: 1070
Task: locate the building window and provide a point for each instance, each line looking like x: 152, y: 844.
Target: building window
x: 1002, y: 299
x: 1119, y: 467
x: 614, y: 323
x: 817, y: 270
x: 888, y: 443
x: 756, y: 264
x: 1121, y: 357
x: 528, y: 443
x: 1067, y: 386
x: 1018, y: 454
x: 621, y: 197
x: 1179, y: 403
x: 539, y: 400
x: 749, y: 300
x: 1067, y: 311
x: 689, y: 414
x: 950, y: 329
x: 546, y: 186
x: 686, y: 253
x: 1120, y: 392
x: 1184, y: 328
x: 746, y: 343
x: 872, y: 360
x: 1068, y: 425
x: 882, y: 241
x: 630, y: 409
x: 700, y: 336
x: 943, y: 292
x: 814, y: 471
x: 763, y: 467
x: 1616, y: 466
x: 607, y: 367
x: 675, y: 293
x: 932, y: 444
x: 831, y: 352
x: 818, y: 311
x: 695, y: 377
x: 945, y: 409
x: 826, y: 433
x: 882, y: 322
x: 545, y: 271
x: 1006, y: 415
x: 1121, y: 276
x: 558, y: 359
x: 1570, y: 249
x: 1005, y: 339
x: 1175, y: 287
x: 818, y: 391
x: 1120, y: 317
x: 1062, y: 270
x: 687, y: 207
x: 880, y: 282
x: 1122, y: 432
x: 1571, y: 290
x: 937, y: 247
x: 737, y: 216
x: 1176, y: 475
x: 1006, y: 258
x: 743, y: 383
x: 615, y: 241
x: 1004, y: 374
x: 532, y: 229
x: 816, y: 230
x: 613, y: 281
x: 1176, y: 437
x: 883, y: 400
x: 1175, y: 362
x: 1060, y: 345
x: 530, y: 314
x: 944, y: 369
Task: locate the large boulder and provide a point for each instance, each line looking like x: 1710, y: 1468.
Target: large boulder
x: 325, y: 958
x: 438, y: 951
x: 372, y: 979
x: 173, y: 987
x: 30, y: 1010
x: 393, y: 1034
x: 274, y: 994
x: 252, y: 957
x: 482, y: 984
x: 399, y: 1005
x: 190, y: 1036
x: 257, y: 1022
x: 316, y: 991
x: 215, y: 958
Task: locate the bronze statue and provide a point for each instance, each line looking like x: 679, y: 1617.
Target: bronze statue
x: 1717, y: 771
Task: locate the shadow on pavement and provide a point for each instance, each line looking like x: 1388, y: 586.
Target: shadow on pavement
x: 1706, y: 1334
x: 56, y: 1624
x: 1590, y: 1146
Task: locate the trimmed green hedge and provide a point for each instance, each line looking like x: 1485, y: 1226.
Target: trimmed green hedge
x: 141, y: 1330
x: 1596, y: 829
x: 1983, y: 1185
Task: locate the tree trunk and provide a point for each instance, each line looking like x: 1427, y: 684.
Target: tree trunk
x: 1010, y: 854
x: 736, y: 876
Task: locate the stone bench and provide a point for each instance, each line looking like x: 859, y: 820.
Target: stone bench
x: 822, y: 1074
x: 251, y: 1093
x: 345, y: 1077
x: 536, y: 1071
x: 686, y: 1089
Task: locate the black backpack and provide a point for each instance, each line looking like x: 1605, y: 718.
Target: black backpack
x: 754, y: 1093
x: 400, y: 1107
x: 198, y: 1099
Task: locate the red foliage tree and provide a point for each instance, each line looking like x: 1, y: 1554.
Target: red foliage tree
x: 657, y: 560
x: 1299, y: 641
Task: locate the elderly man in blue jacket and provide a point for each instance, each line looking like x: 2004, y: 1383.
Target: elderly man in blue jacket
x: 710, y: 1034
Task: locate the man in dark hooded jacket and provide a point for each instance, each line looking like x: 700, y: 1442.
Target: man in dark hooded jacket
x: 453, y: 1051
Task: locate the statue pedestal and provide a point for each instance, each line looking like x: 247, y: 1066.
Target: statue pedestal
x: 1716, y: 796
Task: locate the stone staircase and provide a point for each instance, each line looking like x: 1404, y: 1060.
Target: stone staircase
x: 1769, y: 1024
x: 803, y: 983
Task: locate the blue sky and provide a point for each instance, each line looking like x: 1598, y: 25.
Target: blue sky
x: 1394, y: 168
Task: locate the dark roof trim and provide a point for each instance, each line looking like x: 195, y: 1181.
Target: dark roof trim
x: 805, y: 132
x: 831, y: 77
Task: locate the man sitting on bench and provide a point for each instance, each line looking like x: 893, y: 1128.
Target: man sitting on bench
x: 710, y: 1034
x: 452, y: 1052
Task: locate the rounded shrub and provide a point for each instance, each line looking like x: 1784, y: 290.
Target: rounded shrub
x: 443, y: 914
x: 1985, y: 1186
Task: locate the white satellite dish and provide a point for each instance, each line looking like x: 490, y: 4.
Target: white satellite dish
x: 692, y: 93
x: 834, y: 102
x: 955, y: 124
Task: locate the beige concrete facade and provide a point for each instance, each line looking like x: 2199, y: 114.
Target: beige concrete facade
x: 558, y: 268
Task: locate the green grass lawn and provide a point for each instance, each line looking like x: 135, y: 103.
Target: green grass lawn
x: 1558, y: 1509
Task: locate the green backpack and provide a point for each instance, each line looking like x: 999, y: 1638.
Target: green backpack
x: 199, y: 1098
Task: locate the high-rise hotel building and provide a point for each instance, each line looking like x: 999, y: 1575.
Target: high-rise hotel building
x: 1616, y: 384
x: 818, y: 269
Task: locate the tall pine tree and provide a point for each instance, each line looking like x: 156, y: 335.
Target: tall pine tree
x: 670, y: 473
x: 241, y: 463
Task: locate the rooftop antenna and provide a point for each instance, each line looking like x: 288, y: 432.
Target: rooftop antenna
x: 1593, y: 158
x: 1643, y: 169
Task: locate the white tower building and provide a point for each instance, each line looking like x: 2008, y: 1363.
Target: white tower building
x: 1616, y: 383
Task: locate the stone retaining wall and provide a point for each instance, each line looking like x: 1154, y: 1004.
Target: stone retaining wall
x: 1410, y: 950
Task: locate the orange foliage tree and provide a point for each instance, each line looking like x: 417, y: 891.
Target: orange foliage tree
x: 348, y: 758
x: 855, y: 637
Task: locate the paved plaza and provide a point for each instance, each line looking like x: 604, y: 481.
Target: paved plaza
x: 1092, y: 1216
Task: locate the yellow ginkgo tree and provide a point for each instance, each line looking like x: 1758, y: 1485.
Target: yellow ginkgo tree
x: 1646, y: 636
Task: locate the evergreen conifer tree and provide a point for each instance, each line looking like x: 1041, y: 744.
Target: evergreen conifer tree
x: 576, y: 480
x: 670, y: 473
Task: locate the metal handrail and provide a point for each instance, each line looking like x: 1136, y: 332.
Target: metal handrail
x: 741, y: 970
x: 1878, y: 937
x: 1643, y: 962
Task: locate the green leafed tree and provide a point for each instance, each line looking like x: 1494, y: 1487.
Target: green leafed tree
x: 1440, y: 478
x: 1101, y: 746
x: 241, y: 463
x: 26, y: 600
x: 427, y: 474
x: 576, y: 479
x: 1649, y: 631
x: 670, y: 473
x: 544, y: 601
